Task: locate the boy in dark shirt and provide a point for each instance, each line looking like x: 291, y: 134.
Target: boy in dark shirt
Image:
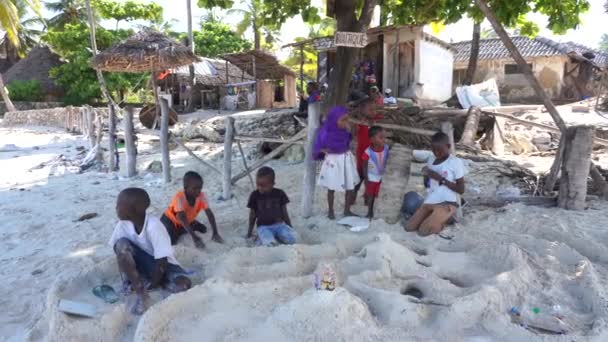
x: 269, y: 210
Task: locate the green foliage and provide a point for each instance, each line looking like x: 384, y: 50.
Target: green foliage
x: 77, y: 77
x: 68, y: 12
x: 129, y: 10
x: 604, y: 43
x: 25, y: 90
x: 216, y: 38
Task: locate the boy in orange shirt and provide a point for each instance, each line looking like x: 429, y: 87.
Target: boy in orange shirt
x: 180, y: 217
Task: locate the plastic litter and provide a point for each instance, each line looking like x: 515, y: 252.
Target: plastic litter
x: 535, y: 318
x: 326, y: 280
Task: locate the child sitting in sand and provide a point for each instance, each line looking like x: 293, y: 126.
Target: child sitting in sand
x: 339, y: 171
x: 374, y: 158
x: 180, y: 217
x: 445, y: 173
x: 143, y: 249
x: 268, y: 209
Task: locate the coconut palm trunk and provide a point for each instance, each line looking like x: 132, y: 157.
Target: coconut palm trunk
x: 191, y: 80
x: 7, y: 100
x: 474, y: 57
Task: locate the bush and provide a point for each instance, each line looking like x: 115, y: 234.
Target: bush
x: 25, y: 91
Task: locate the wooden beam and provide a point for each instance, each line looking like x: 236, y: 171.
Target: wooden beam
x: 265, y: 139
x: 310, y: 165
x: 407, y: 129
x: 301, y: 134
x: 228, y: 137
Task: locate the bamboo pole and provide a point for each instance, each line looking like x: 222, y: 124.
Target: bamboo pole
x: 130, y: 143
x: 310, y: 166
x: 301, y: 134
x: 228, y: 138
x: 164, y: 139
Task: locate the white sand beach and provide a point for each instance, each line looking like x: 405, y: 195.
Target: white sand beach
x: 467, y: 279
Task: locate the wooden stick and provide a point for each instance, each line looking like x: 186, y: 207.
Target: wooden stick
x: 238, y: 144
x: 265, y: 139
x: 413, y: 130
x: 130, y: 143
x: 189, y: 151
x: 308, y: 190
x: 164, y: 139
x: 228, y: 138
x: 301, y: 134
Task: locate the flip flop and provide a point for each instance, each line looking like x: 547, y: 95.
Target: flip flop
x: 106, y: 293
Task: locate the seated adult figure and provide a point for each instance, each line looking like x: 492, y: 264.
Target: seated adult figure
x: 444, y: 176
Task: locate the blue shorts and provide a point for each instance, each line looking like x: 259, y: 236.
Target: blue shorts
x: 275, y: 234
x: 146, y: 264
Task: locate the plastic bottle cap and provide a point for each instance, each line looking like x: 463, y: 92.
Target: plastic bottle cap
x: 536, y: 310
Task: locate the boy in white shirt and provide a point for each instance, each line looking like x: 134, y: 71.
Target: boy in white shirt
x: 143, y: 249
x: 445, y: 176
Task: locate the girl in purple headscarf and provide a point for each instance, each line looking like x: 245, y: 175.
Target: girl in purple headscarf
x: 339, y: 170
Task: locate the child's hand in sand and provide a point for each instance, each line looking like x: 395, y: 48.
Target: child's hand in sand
x: 217, y: 238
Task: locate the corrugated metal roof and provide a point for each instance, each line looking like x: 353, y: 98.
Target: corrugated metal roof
x: 536, y: 47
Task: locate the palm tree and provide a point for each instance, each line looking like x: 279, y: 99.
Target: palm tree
x: 10, y: 23
x: 252, y: 18
x: 68, y: 11
x: 27, y: 37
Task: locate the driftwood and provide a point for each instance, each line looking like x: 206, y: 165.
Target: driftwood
x: 228, y: 138
x: 470, y: 127
x: 164, y: 139
x: 130, y: 143
x: 301, y: 134
x: 578, y: 144
x: 310, y: 166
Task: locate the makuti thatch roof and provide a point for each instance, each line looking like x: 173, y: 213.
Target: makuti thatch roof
x: 144, y: 52
x: 36, y: 66
x: 266, y: 65
x: 212, y: 72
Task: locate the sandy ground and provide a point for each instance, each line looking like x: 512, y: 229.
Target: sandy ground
x: 468, y: 279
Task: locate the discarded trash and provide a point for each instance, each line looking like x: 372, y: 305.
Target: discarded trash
x: 534, y: 318
x: 77, y: 308
x: 356, y: 224
x: 106, y: 293
x: 87, y: 217
x: 327, y: 279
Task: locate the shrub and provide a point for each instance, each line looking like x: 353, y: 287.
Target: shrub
x: 25, y: 91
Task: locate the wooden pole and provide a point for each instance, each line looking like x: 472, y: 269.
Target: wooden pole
x: 407, y: 129
x: 575, y: 167
x: 470, y: 127
x: 302, y: 68
x: 157, y: 105
x: 228, y: 138
x: 164, y: 139
x: 98, y: 137
x: 255, y: 78
x: 90, y: 125
x: 448, y: 129
x: 301, y: 134
x: 310, y: 165
x: 498, y: 144
x: 113, y: 150
x: 130, y: 143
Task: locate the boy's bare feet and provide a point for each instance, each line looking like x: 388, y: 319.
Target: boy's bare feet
x: 331, y: 215
x: 140, y: 304
x: 348, y: 213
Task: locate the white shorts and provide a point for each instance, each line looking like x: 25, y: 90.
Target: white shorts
x: 339, y: 172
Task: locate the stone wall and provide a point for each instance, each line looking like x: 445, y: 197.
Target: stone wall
x: 70, y: 118
x: 30, y: 105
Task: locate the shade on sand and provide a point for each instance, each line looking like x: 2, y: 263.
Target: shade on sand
x: 144, y: 52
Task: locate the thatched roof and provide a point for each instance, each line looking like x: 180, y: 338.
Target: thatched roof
x: 143, y: 52
x: 212, y: 72
x: 266, y: 65
x: 36, y: 66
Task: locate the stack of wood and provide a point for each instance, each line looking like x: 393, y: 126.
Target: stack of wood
x: 410, y: 117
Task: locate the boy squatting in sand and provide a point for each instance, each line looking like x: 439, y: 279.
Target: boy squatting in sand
x: 268, y: 208
x: 374, y: 163
x: 446, y: 175
x: 143, y: 249
x: 180, y: 217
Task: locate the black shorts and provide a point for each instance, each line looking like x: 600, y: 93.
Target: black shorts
x: 175, y: 232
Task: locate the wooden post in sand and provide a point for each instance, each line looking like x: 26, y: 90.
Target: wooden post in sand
x: 164, y: 139
x: 310, y: 166
x: 448, y: 128
x: 470, y: 127
x: 130, y: 143
x: 228, y: 138
x: 90, y: 125
x: 575, y: 167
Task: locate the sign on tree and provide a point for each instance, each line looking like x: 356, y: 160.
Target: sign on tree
x: 350, y: 39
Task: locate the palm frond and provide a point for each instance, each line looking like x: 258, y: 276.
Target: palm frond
x: 9, y: 20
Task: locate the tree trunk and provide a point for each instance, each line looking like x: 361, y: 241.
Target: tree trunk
x: 578, y: 144
x: 310, y: 165
x: 346, y: 21
x: 164, y: 140
x: 103, y: 86
x: 473, y: 58
x: 191, y: 80
x: 130, y: 143
x: 10, y: 107
x: 256, y: 34
x: 471, y: 126
x: 113, y: 149
x: 228, y: 138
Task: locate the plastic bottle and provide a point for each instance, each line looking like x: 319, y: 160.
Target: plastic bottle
x: 538, y: 319
x: 328, y: 279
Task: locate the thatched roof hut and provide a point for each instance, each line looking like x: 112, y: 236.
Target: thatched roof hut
x: 212, y: 72
x: 267, y: 67
x: 144, y: 52
x: 36, y: 66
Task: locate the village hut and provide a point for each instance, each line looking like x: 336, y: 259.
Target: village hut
x: 146, y: 51
x: 275, y: 84
x: 36, y: 66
